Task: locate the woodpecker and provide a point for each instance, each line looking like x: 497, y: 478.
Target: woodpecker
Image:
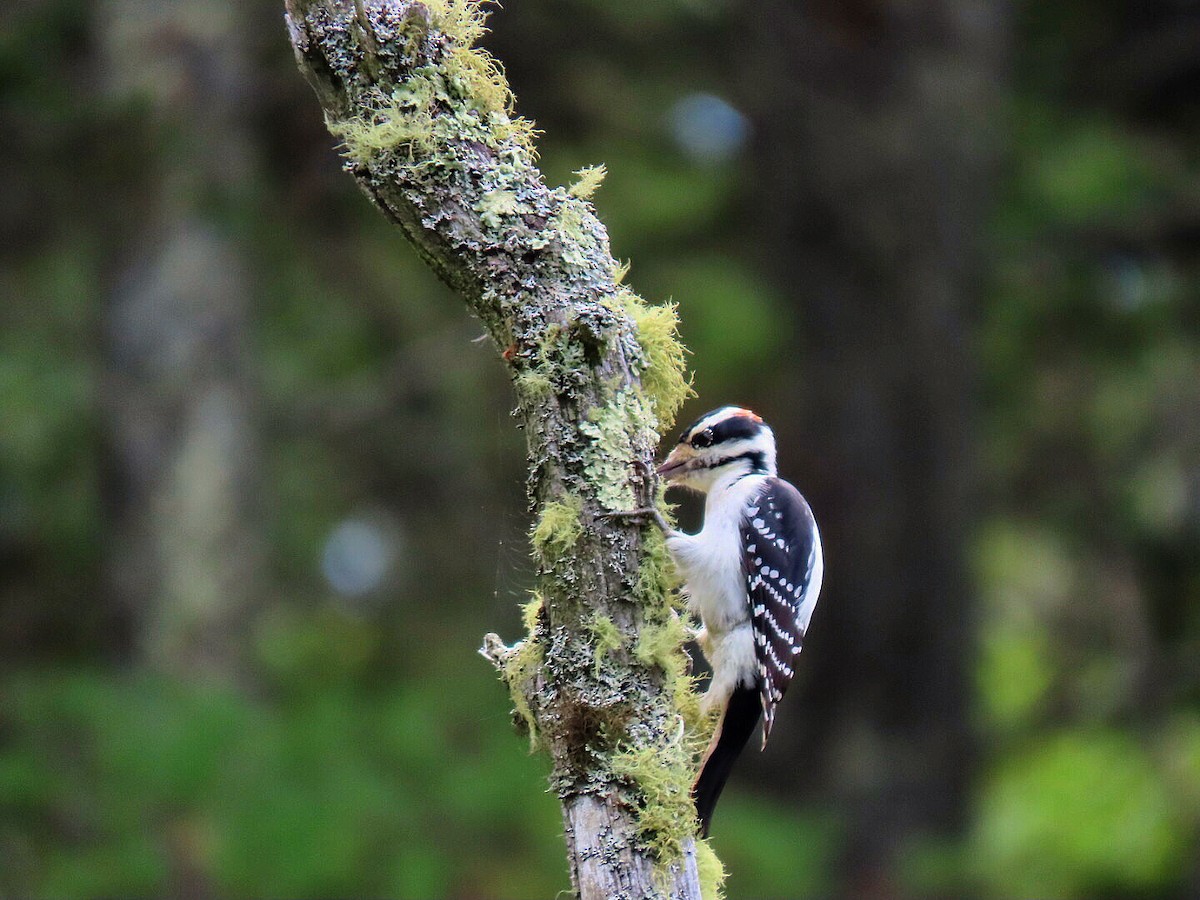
x: 752, y: 574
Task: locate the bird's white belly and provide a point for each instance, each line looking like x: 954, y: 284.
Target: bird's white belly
x: 710, y: 564
x: 715, y: 589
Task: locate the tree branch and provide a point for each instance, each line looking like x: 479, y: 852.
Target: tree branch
x: 600, y: 681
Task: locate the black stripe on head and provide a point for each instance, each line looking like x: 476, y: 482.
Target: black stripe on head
x: 758, y: 462
x: 735, y: 428
x: 738, y: 424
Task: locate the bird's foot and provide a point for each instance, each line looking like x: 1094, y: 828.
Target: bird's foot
x: 646, y: 514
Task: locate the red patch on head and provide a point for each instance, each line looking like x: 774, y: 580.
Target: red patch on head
x: 749, y: 414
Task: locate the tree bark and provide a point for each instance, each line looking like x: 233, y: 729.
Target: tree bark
x: 599, y: 682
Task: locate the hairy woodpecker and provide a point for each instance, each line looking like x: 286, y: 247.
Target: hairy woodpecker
x: 752, y: 573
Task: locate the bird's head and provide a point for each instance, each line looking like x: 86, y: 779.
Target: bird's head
x: 720, y: 443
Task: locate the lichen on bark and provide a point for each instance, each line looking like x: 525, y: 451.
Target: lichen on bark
x: 600, y: 680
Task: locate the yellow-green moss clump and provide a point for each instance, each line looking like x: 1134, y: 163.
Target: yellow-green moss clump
x: 533, y: 384
x: 590, y: 179
x: 519, y: 671
x: 712, y: 873
x: 463, y: 20
x: 656, y: 572
x: 662, y: 776
x: 664, y: 377
x: 521, y: 667
x: 661, y: 645
x: 390, y: 126
x: 663, y: 773
x: 558, y: 527
x: 461, y: 95
x: 531, y: 611
x: 473, y: 71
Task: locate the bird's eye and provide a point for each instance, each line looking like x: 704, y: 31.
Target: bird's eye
x: 703, y: 439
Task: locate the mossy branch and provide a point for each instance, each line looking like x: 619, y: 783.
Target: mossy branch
x: 600, y: 682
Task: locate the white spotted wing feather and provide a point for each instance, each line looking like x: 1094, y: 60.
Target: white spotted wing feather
x: 783, y: 567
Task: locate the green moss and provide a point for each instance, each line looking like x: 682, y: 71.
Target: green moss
x: 606, y: 638
x: 662, y: 776
x: 661, y: 645
x: 664, y: 378
x: 620, y: 271
x: 521, y: 666
x: 520, y: 669
x: 663, y: 772
x: 463, y: 20
x: 463, y: 95
x: 472, y: 71
x: 711, y: 870
x: 533, y: 384
x: 390, y: 127
x: 531, y: 611
x: 663, y: 635
x: 474, y: 76
x: 590, y: 179
x: 656, y: 572
x: 558, y: 527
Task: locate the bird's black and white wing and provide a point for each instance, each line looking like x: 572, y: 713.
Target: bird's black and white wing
x: 783, y: 566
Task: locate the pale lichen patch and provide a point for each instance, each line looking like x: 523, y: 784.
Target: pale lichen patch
x: 574, y: 223
x: 608, y: 458
x: 496, y: 205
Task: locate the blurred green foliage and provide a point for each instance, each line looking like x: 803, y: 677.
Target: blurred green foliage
x: 1088, y: 577
x: 141, y: 785
x: 1051, y: 813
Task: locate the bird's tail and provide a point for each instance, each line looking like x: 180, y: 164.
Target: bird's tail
x: 733, y: 731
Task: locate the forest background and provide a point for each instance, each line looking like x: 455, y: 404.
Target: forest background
x: 260, y: 493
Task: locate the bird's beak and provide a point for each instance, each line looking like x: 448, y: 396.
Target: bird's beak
x: 677, y: 462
